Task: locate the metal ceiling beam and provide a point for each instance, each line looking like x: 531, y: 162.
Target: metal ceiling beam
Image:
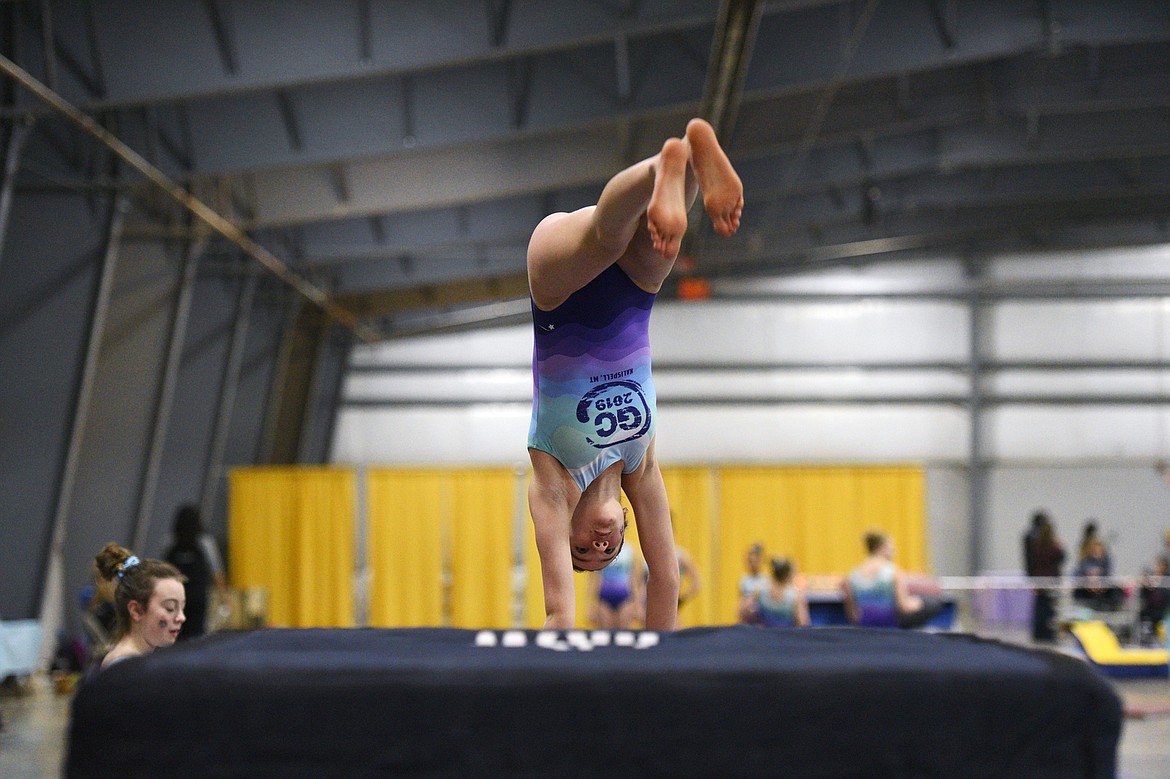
x: 731, y: 289
x: 1001, y: 27
x: 942, y: 13
x: 219, y: 16
x: 992, y: 231
x: 340, y: 183
x: 200, y: 210
x: 435, y: 179
x: 365, y: 32
x: 499, y: 15
x: 288, y: 116
x: 797, y: 366
x: 49, y: 44
x: 1006, y: 229
x: 548, y: 27
x: 15, y: 137
x: 388, y: 301
x: 923, y: 191
x: 293, y: 385
x: 957, y: 399
x: 39, y: 18
x: 95, y: 54
x: 904, y: 165
x: 425, y: 94
x: 731, y: 54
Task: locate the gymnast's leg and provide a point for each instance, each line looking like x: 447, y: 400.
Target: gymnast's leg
x: 639, y: 219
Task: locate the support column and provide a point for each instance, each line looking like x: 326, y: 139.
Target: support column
x: 52, y: 611
x: 305, y: 453
x: 166, y: 395
x: 225, y: 404
x: 977, y: 455
x: 14, y: 143
x: 293, y: 384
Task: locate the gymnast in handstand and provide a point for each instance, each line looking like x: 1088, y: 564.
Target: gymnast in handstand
x: 593, y: 275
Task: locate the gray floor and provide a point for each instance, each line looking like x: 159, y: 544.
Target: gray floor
x: 35, y: 726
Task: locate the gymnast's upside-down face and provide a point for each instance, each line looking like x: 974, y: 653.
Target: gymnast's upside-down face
x: 597, y: 534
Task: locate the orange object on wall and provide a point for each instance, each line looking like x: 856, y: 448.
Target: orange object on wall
x: 694, y: 288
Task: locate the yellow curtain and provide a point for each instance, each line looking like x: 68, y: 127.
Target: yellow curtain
x: 290, y: 532
x: 816, y: 516
x: 533, y: 589
x: 482, y: 553
x: 261, y: 505
x: 691, y: 492
x: 894, y: 500
x: 405, y: 510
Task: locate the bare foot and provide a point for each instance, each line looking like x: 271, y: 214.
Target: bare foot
x: 666, y: 215
x: 722, y: 189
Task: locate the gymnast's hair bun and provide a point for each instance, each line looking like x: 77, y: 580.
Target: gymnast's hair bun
x: 109, y: 561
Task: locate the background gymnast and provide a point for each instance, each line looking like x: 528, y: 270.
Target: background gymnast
x: 878, y: 593
x: 593, y: 275
x: 782, y: 604
x: 616, y: 592
x: 148, y: 597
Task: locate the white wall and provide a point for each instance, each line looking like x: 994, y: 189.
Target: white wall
x: 1131, y: 504
x: 1075, y: 459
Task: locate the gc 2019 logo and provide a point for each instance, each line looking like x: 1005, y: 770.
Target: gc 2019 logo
x: 618, y: 412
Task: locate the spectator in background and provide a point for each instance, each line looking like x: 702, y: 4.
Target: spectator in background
x: 751, y: 583
x: 1039, y: 519
x: 148, y: 599
x: 781, y: 603
x: 1154, y: 599
x: 195, y: 554
x: 1045, y: 560
x: 877, y: 593
x: 1095, y: 565
x: 1090, y: 535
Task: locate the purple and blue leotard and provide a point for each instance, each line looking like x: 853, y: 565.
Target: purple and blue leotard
x: 593, y: 401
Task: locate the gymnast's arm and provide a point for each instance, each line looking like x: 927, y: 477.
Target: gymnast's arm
x: 647, y: 496
x: 851, y: 610
x: 551, y: 515
x: 802, y: 618
x: 904, y: 601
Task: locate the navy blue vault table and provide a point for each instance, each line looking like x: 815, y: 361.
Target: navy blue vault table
x: 706, y: 702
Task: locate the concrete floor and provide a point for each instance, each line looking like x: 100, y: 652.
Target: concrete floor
x: 36, y: 722
x: 1145, y: 743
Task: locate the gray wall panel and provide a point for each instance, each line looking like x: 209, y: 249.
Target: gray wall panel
x: 104, y: 504
x: 47, y: 281
x: 324, y: 401
x: 189, y: 431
